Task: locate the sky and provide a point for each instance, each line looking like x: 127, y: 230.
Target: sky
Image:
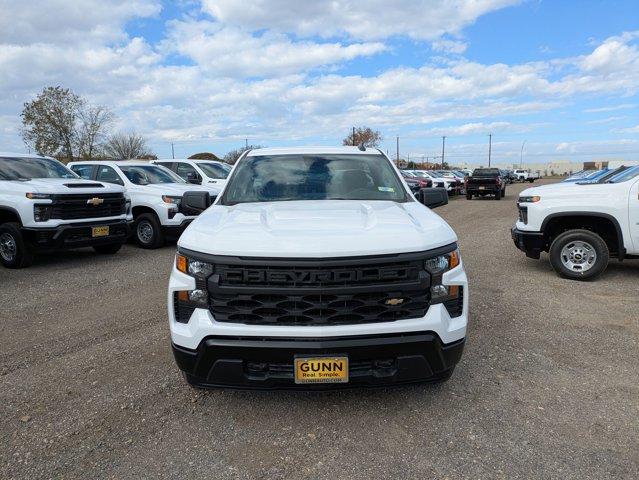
x: 550, y: 80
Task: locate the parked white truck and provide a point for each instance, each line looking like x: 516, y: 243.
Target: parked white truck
x: 198, y: 172
x: 317, y: 268
x: 581, y: 225
x: 527, y: 175
x: 45, y: 207
x: 155, y: 193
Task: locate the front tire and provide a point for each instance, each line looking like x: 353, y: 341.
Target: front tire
x: 14, y: 252
x: 148, y: 231
x: 108, y: 249
x: 579, y: 255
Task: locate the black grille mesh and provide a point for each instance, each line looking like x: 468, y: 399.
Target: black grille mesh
x: 74, y: 207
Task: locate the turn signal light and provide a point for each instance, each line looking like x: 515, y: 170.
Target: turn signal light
x: 181, y: 263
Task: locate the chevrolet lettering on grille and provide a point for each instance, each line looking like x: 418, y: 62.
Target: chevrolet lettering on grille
x: 296, y: 277
x: 95, y: 201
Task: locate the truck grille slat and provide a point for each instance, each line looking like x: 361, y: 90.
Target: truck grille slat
x: 75, y: 206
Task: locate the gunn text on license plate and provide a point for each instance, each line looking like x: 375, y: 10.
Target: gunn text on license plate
x: 321, y: 369
x: 99, y: 231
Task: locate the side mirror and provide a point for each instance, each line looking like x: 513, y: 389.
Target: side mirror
x: 194, y: 203
x: 433, y: 197
x: 192, y: 178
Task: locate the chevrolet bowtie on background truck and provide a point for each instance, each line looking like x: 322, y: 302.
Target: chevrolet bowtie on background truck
x: 316, y: 268
x: 45, y: 207
x: 581, y: 225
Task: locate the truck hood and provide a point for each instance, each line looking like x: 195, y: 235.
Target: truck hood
x: 61, y: 186
x: 316, y: 229
x: 571, y: 190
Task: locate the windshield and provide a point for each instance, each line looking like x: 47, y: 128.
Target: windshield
x: 215, y: 170
x: 279, y: 178
x: 26, y: 168
x: 624, y: 176
x: 486, y: 172
x: 149, y: 174
x: 421, y: 174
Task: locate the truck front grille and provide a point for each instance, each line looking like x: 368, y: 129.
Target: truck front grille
x: 75, y: 207
x: 320, y: 292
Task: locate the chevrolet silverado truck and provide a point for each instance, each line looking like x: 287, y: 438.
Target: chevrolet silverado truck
x: 317, y: 268
x: 485, y: 181
x: 581, y: 225
x: 45, y: 207
x: 155, y: 193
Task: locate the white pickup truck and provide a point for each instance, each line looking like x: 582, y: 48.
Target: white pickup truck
x: 317, y: 268
x: 527, y: 175
x: 155, y: 193
x: 581, y: 225
x: 45, y: 207
x: 198, y: 172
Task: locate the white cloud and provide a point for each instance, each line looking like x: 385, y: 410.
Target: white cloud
x: 612, y: 108
x: 634, y: 129
x: 449, y: 46
x: 69, y: 22
x: 230, y: 51
x: 364, y: 19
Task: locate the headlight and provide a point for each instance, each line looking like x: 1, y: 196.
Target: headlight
x: 198, y: 270
x: 531, y: 199
x: 437, y: 266
x: 41, y: 213
x: 38, y: 196
x: 172, y: 200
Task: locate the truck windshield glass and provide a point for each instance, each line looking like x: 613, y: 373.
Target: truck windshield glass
x: 149, y: 174
x: 486, y: 172
x: 215, y: 170
x: 313, y: 177
x: 25, y: 168
x: 624, y: 176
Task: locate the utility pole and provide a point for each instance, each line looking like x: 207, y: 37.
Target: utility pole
x: 172, y: 151
x: 443, y: 149
x: 521, y: 155
x: 353, y: 136
x: 246, y: 143
x: 490, y: 147
x: 397, y: 150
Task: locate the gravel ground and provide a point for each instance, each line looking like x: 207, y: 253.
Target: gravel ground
x: 547, y: 387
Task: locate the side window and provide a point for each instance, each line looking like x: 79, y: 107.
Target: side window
x: 184, y: 170
x: 108, y: 175
x: 84, y: 171
x: 169, y: 165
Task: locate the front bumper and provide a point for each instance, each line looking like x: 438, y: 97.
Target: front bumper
x: 267, y: 363
x: 174, y: 231
x: 531, y: 243
x: 75, y: 235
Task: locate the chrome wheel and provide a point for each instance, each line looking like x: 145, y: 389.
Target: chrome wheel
x: 8, y: 247
x: 145, y: 231
x: 578, y: 256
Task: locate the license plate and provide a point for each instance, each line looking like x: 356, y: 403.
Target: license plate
x: 99, y: 231
x: 321, y: 369
x: 482, y: 188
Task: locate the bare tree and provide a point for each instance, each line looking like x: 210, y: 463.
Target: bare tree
x: 234, y: 155
x: 363, y: 136
x: 125, y: 146
x: 94, y: 123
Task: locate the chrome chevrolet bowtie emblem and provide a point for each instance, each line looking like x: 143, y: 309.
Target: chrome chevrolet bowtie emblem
x: 95, y: 201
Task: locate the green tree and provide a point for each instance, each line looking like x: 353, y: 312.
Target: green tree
x: 62, y: 124
x: 204, y: 156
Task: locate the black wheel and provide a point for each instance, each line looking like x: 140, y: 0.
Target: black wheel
x: 14, y: 252
x: 148, y: 232
x: 579, y: 255
x: 498, y: 195
x: 108, y: 249
x: 503, y: 192
x: 469, y: 196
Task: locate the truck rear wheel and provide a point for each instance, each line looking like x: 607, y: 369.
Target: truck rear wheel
x: 469, y: 196
x: 498, y: 195
x: 14, y: 252
x: 148, y: 232
x: 579, y: 255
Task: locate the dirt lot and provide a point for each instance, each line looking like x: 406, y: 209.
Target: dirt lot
x: 548, y: 386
